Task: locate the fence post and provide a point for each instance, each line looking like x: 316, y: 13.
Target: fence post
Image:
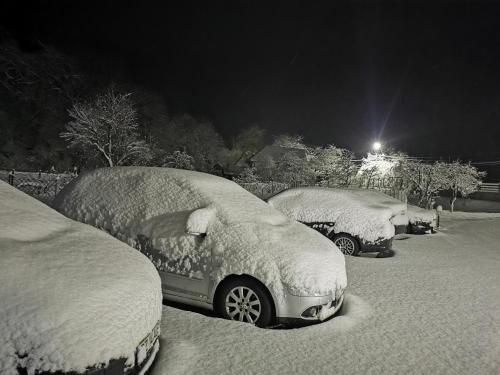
x: 55, y: 185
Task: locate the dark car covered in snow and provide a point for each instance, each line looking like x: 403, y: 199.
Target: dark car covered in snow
x: 356, y: 220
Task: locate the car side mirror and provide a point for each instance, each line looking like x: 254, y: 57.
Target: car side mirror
x: 198, y: 220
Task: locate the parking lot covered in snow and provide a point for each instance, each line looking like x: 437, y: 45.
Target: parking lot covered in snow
x: 434, y: 308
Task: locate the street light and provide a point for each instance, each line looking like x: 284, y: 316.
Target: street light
x: 376, y: 146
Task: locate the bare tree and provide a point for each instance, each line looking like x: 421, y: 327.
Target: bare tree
x: 107, y: 127
x: 462, y: 179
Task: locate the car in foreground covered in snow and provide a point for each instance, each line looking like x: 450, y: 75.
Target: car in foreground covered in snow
x: 73, y: 300
x: 214, y: 244
x: 356, y: 220
x: 421, y: 221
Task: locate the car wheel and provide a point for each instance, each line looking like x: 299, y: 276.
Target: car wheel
x: 245, y: 300
x: 346, y: 243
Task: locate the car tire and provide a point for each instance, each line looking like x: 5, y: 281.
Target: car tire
x: 346, y: 243
x: 246, y: 300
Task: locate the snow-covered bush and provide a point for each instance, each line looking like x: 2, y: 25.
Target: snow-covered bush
x: 247, y: 176
x: 179, y: 160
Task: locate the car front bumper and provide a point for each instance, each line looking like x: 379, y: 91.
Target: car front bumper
x: 292, y: 309
x: 422, y: 227
x: 399, y: 229
x: 377, y: 246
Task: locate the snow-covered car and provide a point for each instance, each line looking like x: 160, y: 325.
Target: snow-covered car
x: 421, y: 220
x: 356, y: 220
x: 73, y: 299
x: 398, y: 208
x: 214, y: 244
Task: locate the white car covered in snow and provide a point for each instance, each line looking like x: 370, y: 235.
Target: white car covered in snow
x: 356, y: 220
x: 73, y: 300
x: 214, y: 244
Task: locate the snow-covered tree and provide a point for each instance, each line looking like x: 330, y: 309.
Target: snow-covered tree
x: 293, y: 170
x: 107, y: 127
x: 425, y: 180
x: 463, y: 179
x: 378, y: 165
x: 179, y: 159
x: 197, y: 137
x: 333, y: 165
x: 290, y: 141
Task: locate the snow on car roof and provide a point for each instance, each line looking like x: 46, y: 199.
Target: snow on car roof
x: 374, y: 197
x: 71, y: 296
x: 160, y: 188
x: 354, y: 211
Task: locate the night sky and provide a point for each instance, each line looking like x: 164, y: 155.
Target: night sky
x: 424, y: 77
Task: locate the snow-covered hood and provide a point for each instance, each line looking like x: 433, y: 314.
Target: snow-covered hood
x: 378, y: 199
x: 366, y: 218
x: 287, y: 257
x: 71, y: 296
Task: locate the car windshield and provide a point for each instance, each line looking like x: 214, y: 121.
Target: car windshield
x: 233, y: 202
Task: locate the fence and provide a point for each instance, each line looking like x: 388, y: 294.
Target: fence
x: 40, y: 185
x: 486, y: 187
x: 390, y: 186
x: 45, y: 186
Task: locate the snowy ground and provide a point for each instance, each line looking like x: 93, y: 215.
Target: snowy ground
x: 434, y: 308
